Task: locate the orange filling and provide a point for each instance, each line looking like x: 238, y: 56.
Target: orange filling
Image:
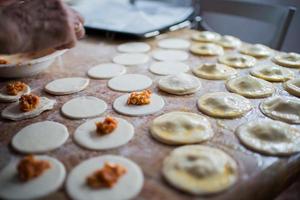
x: 15, y: 87
x: 3, y: 61
x: 139, y: 98
x: 106, y: 177
x: 29, y: 102
x: 107, y: 126
x: 29, y: 168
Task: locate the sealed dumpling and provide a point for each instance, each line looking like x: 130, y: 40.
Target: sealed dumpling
x: 206, y: 36
x: 214, y: 71
x: 228, y: 41
x: 256, y: 50
x: 293, y: 86
x: 206, y: 49
x: 287, y: 60
x: 272, y: 73
x: 237, y: 60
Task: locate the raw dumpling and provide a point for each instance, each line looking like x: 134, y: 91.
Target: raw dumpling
x: 228, y: 41
x: 206, y: 49
x: 293, y: 86
x: 237, y: 60
x: 287, y: 60
x: 272, y: 73
x: 206, y: 36
x: 256, y: 50
x: 214, y: 71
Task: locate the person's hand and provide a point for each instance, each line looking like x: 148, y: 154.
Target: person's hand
x: 33, y: 25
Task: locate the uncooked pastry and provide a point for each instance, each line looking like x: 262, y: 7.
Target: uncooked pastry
x: 206, y: 36
x: 106, y: 71
x: 214, y: 71
x: 129, y: 82
x: 168, y: 68
x: 174, y: 43
x: 170, y: 55
x: 131, y: 59
x: 287, y: 60
x: 237, y: 60
x: 65, y: 86
x: 256, y: 50
x: 134, y: 47
x: 228, y: 41
x: 4, y: 97
x: 206, y: 49
x: 272, y: 73
x: 293, y: 86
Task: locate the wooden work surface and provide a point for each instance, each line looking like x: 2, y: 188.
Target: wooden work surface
x: 260, y: 177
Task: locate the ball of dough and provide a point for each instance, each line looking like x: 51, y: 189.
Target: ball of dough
x: 237, y: 60
x: 293, y: 86
x: 287, y: 60
x: 272, y: 73
x: 256, y: 50
x: 228, y: 41
x: 206, y: 36
x: 214, y: 71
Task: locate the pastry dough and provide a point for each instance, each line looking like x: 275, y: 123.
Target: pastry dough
x: 282, y: 108
x: 270, y: 137
x: 237, y: 60
x: 106, y: 71
x: 224, y: 105
x: 206, y: 49
x: 134, y: 47
x: 256, y: 50
x: 199, y: 169
x: 293, y: 86
x: 168, y: 68
x: 174, y: 43
x: 131, y: 59
x: 206, y: 36
x: 170, y: 55
x: 129, y: 82
x: 4, y: 97
x: 179, y: 84
x: 249, y: 86
x: 272, y: 73
x: 214, y: 71
x: 66, y: 86
x: 287, y: 60
x: 181, y: 128
x: 228, y: 41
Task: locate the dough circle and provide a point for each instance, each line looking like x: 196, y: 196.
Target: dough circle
x: 293, y: 87
x: 127, y: 187
x: 272, y: 73
x: 256, y: 50
x: 86, y: 135
x: 120, y: 105
x: 237, y: 60
x: 179, y: 84
x: 249, y: 86
x: 214, y: 71
x: 181, y: 128
x: 66, y: 86
x: 11, y: 98
x: 270, y: 137
x: 83, y: 107
x: 224, y: 105
x: 40, y: 137
x: 131, y: 59
x: 287, y: 60
x: 129, y: 82
x: 50, y: 181
x: 170, y: 55
x: 134, y: 47
x: 14, y: 113
x: 174, y: 43
x: 228, y: 41
x: 200, y: 170
x: 206, y: 36
x: 286, y: 109
x: 206, y: 49
x: 168, y: 68
x: 106, y: 71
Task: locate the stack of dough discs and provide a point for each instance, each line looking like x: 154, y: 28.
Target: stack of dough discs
x: 224, y: 105
x: 13, y: 111
x: 256, y: 50
x: 282, y: 108
x: 129, y: 82
x: 214, y: 71
x: 83, y: 107
x: 86, y: 135
x: 50, y: 181
x: 40, y: 137
x: 170, y: 55
x: 179, y: 84
x: 67, y: 85
x: 293, y: 86
x: 128, y: 186
x: 168, y: 68
x: 272, y: 73
x: 270, y: 137
x: 106, y: 71
x: 287, y: 60
x: 4, y: 97
x: 237, y: 60
x: 206, y: 49
x: 131, y: 59
x: 121, y: 106
x: 249, y: 86
x: 230, y: 42
x: 200, y: 170
x: 206, y: 36
x: 181, y: 128
x: 174, y: 43
x: 134, y: 47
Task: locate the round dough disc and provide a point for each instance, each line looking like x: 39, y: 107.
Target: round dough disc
x: 228, y: 41
x: 11, y: 98
x: 130, y: 82
x: 67, y: 85
x: 86, y: 135
x: 206, y: 36
x: 293, y: 87
x: 174, y: 43
x: 179, y: 84
x: 287, y: 60
x: 181, y: 128
x: 214, y: 71
x: 121, y: 106
x: 286, y: 109
x: 168, y: 68
x: 106, y: 71
x: 170, y: 55
x: 127, y: 187
x: 270, y: 137
x: 13, y: 111
x: 199, y: 169
x: 131, y: 59
x: 206, y: 49
x: 134, y: 47
x: 224, y: 105
x: 40, y: 137
x: 272, y: 73
x: 256, y: 50
x: 50, y: 181
x: 251, y: 87
x: 237, y: 60
x: 83, y: 107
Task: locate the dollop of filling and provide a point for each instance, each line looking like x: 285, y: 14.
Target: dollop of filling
x: 140, y: 98
x: 107, y: 126
x: 15, y: 87
x: 3, y: 61
x: 29, y: 102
